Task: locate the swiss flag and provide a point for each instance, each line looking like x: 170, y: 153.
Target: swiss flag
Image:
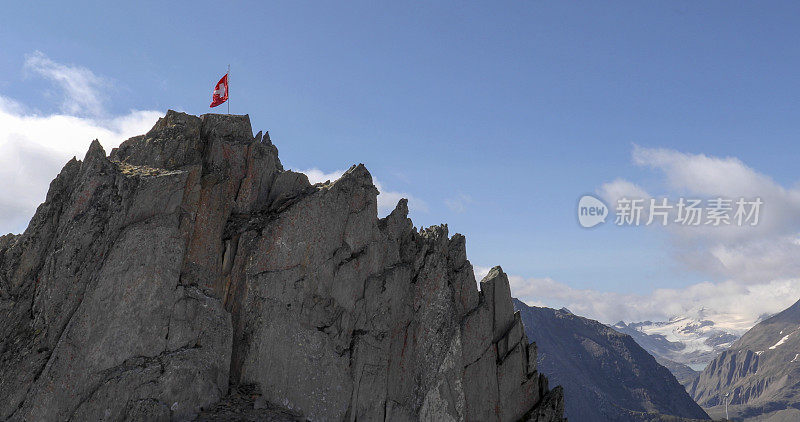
x: 220, y: 94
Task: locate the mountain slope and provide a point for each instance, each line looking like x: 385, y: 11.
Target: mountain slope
x: 605, y: 374
x: 683, y: 373
x: 187, y: 262
x: 760, y: 371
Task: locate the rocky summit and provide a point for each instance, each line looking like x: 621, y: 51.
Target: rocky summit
x: 187, y: 275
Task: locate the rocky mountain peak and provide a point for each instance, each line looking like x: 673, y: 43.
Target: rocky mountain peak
x: 188, y: 264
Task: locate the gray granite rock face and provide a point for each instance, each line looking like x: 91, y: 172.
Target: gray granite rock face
x: 189, y: 260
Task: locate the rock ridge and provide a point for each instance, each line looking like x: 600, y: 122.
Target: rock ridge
x: 189, y: 260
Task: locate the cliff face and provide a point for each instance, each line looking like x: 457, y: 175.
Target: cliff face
x: 189, y: 260
x: 606, y: 375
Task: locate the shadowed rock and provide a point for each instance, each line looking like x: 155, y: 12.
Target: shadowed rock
x: 605, y: 375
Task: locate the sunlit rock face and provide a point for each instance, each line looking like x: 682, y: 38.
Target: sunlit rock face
x: 188, y: 263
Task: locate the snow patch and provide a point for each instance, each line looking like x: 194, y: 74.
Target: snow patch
x: 796, y: 358
x: 781, y: 341
x: 693, y: 333
x: 702, y: 334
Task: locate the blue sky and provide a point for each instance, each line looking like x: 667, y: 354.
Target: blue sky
x: 495, y: 117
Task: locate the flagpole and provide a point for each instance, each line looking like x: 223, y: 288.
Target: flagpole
x: 229, y: 90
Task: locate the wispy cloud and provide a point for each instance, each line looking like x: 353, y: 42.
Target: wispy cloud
x: 81, y: 90
x: 459, y: 203
x: 34, y: 147
x: 387, y: 199
x: 620, y: 188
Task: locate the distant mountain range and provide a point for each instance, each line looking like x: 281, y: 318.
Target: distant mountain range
x: 686, y: 344
x: 605, y: 374
x: 759, y: 375
x: 693, y: 340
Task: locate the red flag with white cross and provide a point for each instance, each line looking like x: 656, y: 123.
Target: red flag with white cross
x: 220, y: 94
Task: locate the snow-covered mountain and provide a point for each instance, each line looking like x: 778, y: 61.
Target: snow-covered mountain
x: 693, y: 339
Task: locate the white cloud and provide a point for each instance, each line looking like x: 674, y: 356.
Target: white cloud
x: 459, y: 203
x: 754, y: 270
x: 82, y: 90
x: 705, y: 175
x: 387, y: 200
x: 318, y: 176
x: 748, y: 254
x: 612, y: 191
x: 34, y: 147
